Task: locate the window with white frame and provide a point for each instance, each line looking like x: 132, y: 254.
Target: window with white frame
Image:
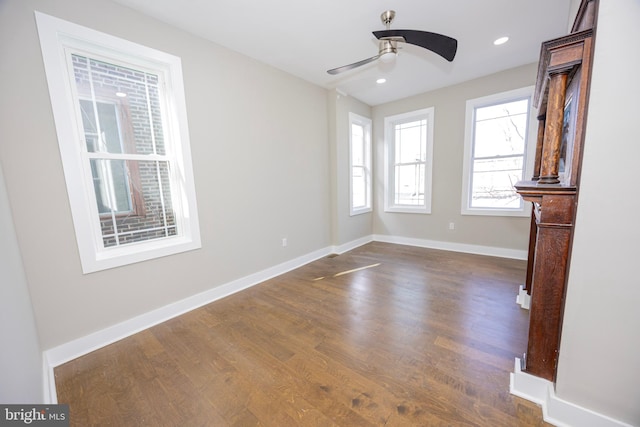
x: 120, y: 117
x: 496, y: 153
x: 360, y: 162
x: 408, y: 161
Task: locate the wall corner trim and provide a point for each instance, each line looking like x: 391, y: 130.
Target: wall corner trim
x: 555, y: 410
x: 346, y: 247
x: 49, y: 396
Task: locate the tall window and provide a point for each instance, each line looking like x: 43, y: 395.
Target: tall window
x: 496, y: 145
x: 408, y: 155
x: 121, y: 123
x: 360, y: 161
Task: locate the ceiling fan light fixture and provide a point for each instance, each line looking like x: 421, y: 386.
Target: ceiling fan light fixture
x: 387, y: 51
x: 388, y: 57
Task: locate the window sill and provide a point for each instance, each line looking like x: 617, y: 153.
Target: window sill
x: 398, y: 209
x: 137, y: 252
x: 362, y: 211
x: 524, y: 212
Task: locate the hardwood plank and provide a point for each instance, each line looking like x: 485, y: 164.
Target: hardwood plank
x: 382, y: 335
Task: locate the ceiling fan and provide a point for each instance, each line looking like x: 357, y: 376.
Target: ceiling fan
x: 388, y: 46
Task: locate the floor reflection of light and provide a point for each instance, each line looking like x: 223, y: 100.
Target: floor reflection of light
x: 355, y: 269
x: 342, y: 273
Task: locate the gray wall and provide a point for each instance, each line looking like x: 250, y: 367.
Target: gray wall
x: 259, y: 141
x: 20, y: 357
x: 449, y: 125
x: 598, y: 366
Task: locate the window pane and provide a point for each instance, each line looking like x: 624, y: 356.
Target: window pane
x: 120, y: 107
x: 357, y: 145
x: 409, y: 180
x: 493, y: 182
x: 500, y: 129
x: 359, y: 186
x: 410, y: 142
x: 111, y: 185
x: 107, y: 137
x: 151, y: 216
x: 494, y: 111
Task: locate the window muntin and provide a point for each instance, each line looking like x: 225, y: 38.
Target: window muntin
x: 360, y: 162
x: 121, y: 122
x: 496, y: 153
x: 409, y: 150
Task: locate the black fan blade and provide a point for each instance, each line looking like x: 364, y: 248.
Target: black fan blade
x: 352, y: 66
x: 442, y: 45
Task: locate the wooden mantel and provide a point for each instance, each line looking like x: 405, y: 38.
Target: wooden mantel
x: 561, y: 97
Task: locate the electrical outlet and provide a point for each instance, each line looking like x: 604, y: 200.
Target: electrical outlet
x: 284, y: 242
x: 452, y: 226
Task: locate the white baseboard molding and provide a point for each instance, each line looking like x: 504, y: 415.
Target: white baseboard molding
x: 455, y: 247
x: 555, y: 410
x: 345, y: 247
x: 523, y: 299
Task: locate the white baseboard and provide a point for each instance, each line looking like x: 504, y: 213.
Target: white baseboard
x: 455, y: 247
x: 555, y: 410
x: 345, y: 247
x: 523, y: 299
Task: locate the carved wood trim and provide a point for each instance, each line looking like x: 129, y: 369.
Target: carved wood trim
x: 571, y: 58
x: 553, y: 129
x: 540, y: 138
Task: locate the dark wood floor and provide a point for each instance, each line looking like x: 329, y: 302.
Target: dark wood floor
x: 385, y: 335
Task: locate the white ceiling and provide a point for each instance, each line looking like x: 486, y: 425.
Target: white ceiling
x: 306, y: 38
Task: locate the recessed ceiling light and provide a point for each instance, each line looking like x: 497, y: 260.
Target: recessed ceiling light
x: 501, y: 40
x: 121, y: 94
x: 381, y: 80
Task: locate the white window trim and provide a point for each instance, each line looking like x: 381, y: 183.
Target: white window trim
x: 366, y: 123
x: 471, y: 105
x: 389, y: 144
x: 56, y: 36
